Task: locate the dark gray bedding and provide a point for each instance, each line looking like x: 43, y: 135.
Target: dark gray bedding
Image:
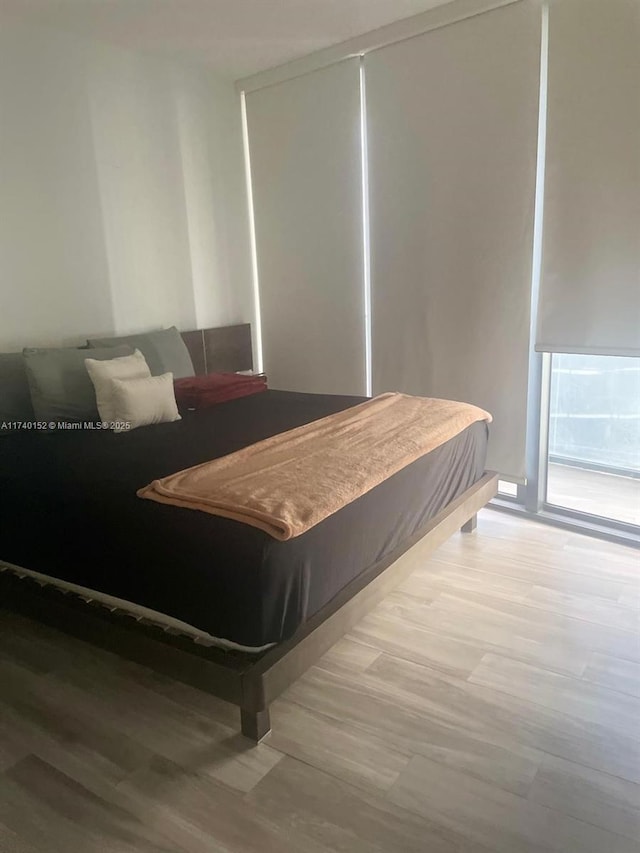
x: 68, y: 508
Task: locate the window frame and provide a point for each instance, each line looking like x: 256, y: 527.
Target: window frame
x: 531, y: 498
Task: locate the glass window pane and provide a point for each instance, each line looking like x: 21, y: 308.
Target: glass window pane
x: 507, y: 488
x: 594, y: 435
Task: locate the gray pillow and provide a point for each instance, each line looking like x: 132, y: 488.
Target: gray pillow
x: 61, y: 389
x: 15, y: 398
x: 164, y: 350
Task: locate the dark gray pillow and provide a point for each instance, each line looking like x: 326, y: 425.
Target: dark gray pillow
x: 164, y: 351
x: 15, y: 398
x: 61, y: 389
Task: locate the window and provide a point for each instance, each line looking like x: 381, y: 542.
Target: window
x: 507, y: 489
x: 594, y: 436
x: 583, y: 445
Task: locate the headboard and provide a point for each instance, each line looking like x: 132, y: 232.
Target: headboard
x: 227, y: 348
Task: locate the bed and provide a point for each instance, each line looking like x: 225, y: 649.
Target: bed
x: 205, y: 599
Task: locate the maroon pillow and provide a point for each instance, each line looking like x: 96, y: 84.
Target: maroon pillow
x: 199, y: 392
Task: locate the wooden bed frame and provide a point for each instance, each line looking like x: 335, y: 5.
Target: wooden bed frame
x: 227, y: 348
x: 250, y: 681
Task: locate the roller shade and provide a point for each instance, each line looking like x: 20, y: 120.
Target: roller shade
x: 590, y: 285
x: 304, y: 140
x: 452, y: 129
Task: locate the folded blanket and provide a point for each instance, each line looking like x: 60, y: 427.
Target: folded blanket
x: 292, y: 481
x: 200, y: 392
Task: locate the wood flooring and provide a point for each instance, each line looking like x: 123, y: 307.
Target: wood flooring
x: 490, y: 704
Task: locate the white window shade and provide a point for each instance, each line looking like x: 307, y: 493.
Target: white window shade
x: 452, y: 129
x: 304, y: 140
x: 590, y: 285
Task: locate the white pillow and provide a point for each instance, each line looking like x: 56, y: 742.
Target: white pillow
x: 140, y: 402
x: 102, y: 373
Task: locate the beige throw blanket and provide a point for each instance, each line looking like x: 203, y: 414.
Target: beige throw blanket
x: 291, y: 481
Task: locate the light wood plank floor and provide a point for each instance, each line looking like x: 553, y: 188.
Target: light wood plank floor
x: 492, y: 703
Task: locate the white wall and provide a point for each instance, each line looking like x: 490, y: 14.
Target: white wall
x: 122, y: 195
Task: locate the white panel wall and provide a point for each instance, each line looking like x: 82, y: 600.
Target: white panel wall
x: 122, y: 201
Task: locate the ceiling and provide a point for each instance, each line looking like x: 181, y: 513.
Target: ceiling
x: 234, y: 37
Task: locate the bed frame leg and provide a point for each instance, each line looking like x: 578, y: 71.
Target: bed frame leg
x: 255, y: 724
x: 470, y: 526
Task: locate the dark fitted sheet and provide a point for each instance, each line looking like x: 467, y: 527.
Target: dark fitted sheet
x: 68, y: 508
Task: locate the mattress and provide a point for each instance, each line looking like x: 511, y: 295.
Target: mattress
x: 69, y: 510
